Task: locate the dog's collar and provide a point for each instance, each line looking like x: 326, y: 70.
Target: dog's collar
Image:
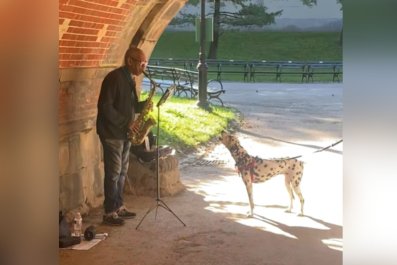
x: 234, y: 148
x: 250, y: 165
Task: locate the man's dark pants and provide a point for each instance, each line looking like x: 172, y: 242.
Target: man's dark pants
x: 116, y: 160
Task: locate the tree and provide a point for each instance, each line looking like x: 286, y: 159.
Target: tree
x: 341, y: 32
x: 309, y: 2
x: 246, y: 14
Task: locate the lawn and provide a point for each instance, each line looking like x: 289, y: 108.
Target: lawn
x: 270, y: 46
x: 184, y: 125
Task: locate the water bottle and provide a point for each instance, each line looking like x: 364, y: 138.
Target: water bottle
x: 77, y: 225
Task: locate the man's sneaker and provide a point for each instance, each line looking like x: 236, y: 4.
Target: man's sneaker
x: 112, y: 219
x: 123, y: 213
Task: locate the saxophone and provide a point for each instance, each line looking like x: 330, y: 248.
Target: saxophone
x: 143, y: 122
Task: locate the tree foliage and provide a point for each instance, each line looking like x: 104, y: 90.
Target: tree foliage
x: 244, y: 15
x: 309, y: 2
x: 249, y: 15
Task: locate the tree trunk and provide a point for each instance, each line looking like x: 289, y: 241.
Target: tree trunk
x: 212, y: 54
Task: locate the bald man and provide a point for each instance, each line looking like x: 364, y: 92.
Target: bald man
x: 117, y: 105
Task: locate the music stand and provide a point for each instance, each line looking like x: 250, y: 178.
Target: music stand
x: 159, y: 202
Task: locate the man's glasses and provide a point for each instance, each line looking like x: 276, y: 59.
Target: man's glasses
x: 144, y: 64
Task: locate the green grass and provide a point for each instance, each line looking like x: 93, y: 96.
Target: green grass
x: 184, y: 126
x: 270, y: 46
x: 246, y: 46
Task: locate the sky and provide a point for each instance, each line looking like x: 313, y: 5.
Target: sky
x: 295, y: 8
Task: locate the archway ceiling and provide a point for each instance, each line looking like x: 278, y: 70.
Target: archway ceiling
x: 96, y: 33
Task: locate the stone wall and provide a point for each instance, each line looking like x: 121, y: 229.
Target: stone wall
x: 143, y: 177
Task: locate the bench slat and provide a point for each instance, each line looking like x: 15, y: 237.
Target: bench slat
x: 186, y: 82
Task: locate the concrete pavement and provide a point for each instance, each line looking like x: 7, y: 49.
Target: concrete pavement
x: 278, y: 120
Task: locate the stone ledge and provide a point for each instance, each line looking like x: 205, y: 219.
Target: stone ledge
x: 143, y: 177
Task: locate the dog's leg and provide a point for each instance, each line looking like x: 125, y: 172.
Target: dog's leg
x: 296, y: 182
x: 248, y: 186
x: 291, y: 195
x: 298, y: 192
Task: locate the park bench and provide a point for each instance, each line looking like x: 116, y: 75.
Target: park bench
x: 189, y: 86
x: 251, y: 70
x: 224, y: 67
x: 292, y: 68
x: 263, y: 68
x: 325, y: 68
x: 164, y: 77
x: 186, y: 82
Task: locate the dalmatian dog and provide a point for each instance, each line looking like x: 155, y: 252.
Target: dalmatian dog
x: 257, y: 170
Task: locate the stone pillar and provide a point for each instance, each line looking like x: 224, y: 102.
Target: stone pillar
x: 142, y: 177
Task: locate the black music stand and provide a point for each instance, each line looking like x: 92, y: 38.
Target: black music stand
x: 160, y: 203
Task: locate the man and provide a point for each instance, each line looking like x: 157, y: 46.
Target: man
x: 117, y: 105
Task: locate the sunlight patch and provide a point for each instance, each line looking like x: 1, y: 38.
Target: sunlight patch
x: 334, y: 243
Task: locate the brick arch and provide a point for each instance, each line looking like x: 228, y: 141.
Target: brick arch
x: 95, y: 33
x: 93, y: 36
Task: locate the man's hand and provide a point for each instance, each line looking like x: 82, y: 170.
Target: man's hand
x: 133, y: 127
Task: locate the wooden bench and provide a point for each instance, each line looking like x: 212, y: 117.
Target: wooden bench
x: 186, y: 82
x: 321, y: 68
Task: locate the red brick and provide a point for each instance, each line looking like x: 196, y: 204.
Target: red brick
x: 111, y: 33
x: 107, y: 39
x: 96, y: 57
x: 68, y: 50
x: 69, y: 43
x: 90, y: 12
x: 126, y: 6
x: 63, y: 14
x: 115, y: 28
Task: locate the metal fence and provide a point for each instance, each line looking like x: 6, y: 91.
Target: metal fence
x: 259, y: 70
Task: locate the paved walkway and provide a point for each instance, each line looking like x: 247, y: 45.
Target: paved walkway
x: 279, y: 120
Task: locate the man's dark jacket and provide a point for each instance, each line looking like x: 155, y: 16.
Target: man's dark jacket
x: 117, y: 104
